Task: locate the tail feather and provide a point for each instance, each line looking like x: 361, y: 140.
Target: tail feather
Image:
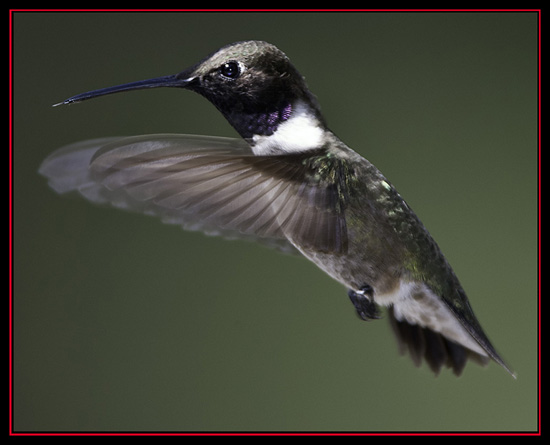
x: 432, y: 347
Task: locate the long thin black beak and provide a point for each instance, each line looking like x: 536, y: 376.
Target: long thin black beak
x: 174, y: 81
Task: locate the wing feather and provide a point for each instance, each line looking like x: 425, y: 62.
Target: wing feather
x: 204, y: 183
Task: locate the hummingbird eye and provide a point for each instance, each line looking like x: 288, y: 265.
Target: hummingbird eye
x: 231, y: 70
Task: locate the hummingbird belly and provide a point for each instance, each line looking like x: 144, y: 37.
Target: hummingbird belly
x: 412, y: 301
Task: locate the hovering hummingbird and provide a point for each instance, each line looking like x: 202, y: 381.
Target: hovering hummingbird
x: 289, y: 183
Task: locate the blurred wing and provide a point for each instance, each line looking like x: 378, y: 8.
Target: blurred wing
x: 216, y: 185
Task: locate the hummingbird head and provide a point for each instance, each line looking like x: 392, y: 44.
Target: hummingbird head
x: 252, y: 83
x: 248, y: 73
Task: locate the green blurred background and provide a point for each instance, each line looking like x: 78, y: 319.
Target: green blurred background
x: 122, y: 323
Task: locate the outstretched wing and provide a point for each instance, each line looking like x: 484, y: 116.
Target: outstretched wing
x: 216, y: 185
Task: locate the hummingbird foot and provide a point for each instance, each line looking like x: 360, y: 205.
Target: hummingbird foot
x: 364, y: 304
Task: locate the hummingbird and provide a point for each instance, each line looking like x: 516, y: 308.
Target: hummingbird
x: 288, y: 182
